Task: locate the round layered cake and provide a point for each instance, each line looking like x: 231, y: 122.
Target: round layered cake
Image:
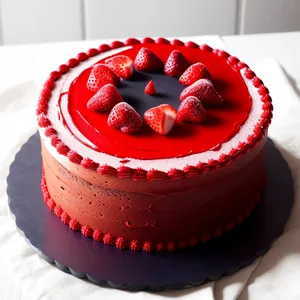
x: 153, y: 144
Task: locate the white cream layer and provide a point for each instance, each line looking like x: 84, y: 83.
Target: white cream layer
x: 62, y: 85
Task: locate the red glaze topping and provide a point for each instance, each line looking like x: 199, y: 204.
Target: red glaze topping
x: 222, y: 122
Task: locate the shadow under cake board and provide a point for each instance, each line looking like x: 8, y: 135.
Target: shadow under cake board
x: 126, y: 269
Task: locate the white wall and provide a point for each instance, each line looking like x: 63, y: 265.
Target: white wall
x: 159, y: 17
x: 31, y: 21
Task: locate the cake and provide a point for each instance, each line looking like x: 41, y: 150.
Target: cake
x: 153, y: 145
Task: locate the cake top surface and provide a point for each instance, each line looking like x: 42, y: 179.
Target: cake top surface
x: 227, y: 127
x: 222, y: 123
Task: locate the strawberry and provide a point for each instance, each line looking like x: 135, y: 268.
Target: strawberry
x: 121, y: 65
x: 176, y: 64
x: 100, y: 76
x: 124, y: 117
x: 193, y: 73
x: 150, y: 88
x: 161, y: 118
x: 146, y: 60
x: 105, y: 99
x: 191, y: 110
x: 204, y: 90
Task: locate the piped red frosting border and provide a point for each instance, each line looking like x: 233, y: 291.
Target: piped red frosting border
x: 138, y: 173
x: 136, y: 245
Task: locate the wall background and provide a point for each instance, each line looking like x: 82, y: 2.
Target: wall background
x: 34, y: 21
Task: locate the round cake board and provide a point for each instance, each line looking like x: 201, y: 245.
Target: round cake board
x: 105, y: 265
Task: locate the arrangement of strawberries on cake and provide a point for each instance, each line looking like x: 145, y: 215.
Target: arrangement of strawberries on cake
x: 153, y: 145
x: 105, y: 77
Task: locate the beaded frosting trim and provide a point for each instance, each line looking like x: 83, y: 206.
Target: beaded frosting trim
x: 135, y: 245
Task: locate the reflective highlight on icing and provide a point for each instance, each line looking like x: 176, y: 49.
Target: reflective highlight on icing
x: 223, y: 122
x: 65, y: 118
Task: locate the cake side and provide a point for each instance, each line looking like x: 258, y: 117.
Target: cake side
x: 160, y: 212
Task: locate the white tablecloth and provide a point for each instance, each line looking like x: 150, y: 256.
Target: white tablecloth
x: 274, y: 276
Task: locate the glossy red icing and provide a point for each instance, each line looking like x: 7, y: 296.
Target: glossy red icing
x: 222, y: 123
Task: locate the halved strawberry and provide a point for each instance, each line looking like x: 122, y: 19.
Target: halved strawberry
x: 193, y: 73
x: 124, y: 117
x: 100, y: 76
x: 147, y: 61
x: 161, y: 118
x: 121, y: 65
x: 105, y: 99
x: 191, y: 110
x: 204, y: 90
x: 176, y: 64
x: 150, y: 88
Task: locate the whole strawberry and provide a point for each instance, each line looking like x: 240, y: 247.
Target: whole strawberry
x: 204, y: 90
x: 100, y: 76
x: 161, y: 118
x: 176, y: 64
x: 193, y: 73
x: 147, y: 61
x: 125, y: 118
x: 105, y: 99
x: 121, y: 65
x: 191, y: 110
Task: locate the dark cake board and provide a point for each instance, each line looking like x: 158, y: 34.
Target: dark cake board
x: 125, y: 269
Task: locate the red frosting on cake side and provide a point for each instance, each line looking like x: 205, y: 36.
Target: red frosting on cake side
x: 156, y: 215
x: 147, y: 246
